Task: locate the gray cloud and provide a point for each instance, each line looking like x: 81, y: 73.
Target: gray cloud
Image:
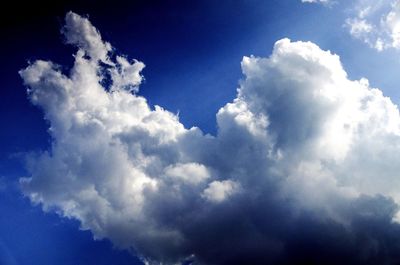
x: 303, y: 168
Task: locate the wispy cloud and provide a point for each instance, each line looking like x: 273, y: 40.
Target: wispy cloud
x: 377, y: 23
x: 316, y: 1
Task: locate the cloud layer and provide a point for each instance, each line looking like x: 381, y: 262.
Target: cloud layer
x: 303, y: 169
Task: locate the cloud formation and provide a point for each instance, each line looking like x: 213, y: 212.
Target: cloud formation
x: 377, y: 23
x: 303, y: 169
x: 374, y: 22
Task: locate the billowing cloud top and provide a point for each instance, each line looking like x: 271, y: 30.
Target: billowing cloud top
x: 304, y: 167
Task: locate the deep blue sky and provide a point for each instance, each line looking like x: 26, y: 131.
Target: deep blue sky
x: 192, y: 51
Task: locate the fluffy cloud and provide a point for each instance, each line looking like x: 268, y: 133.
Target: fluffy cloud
x: 80, y: 32
x: 377, y: 23
x: 303, y: 169
x: 191, y: 173
x: 218, y: 191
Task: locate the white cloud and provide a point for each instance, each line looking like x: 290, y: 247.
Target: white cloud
x: 191, y: 173
x: 377, y: 23
x: 126, y: 75
x: 314, y: 1
x: 299, y: 137
x: 80, y: 32
x: 218, y: 191
x: 359, y: 27
x: 324, y: 2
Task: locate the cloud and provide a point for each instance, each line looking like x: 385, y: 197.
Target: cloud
x: 218, y: 191
x: 79, y: 31
x: 303, y: 168
x: 377, y: 23
x: 191, y: 173
x: 315, y: 1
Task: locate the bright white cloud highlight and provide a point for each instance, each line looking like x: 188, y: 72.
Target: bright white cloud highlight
x: 299, y: 137
x: 80, y: 32
x: 191, y: 173
x: 218, y: 191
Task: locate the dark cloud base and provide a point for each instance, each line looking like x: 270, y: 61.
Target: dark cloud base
x: 253, y: 235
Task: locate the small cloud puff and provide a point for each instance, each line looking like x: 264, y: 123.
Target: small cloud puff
x: 218, y: 191
x: 191, y: 173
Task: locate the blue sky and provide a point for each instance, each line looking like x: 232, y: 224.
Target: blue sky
x: 193, y: 53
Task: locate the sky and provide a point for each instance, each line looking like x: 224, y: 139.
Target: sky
x: 200, y: 132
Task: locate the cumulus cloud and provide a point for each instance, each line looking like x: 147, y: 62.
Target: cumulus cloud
x: 303, y: 169
x: 377, y: 23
